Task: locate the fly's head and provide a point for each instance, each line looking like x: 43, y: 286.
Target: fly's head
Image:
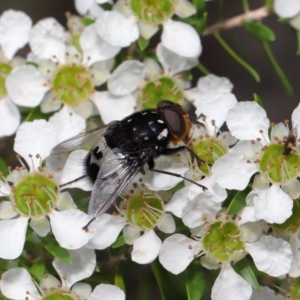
x: 176, y: 119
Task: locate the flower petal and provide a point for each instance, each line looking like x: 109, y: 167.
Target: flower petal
x: 6, y: 210
x: 203, y: 207
x: 214, y: 83
x: 26, y: 86
x: 13, y: 233
x: 177, y: 252
x: 184, y: 9
x: 47, y: 40
x: 295, y: 246
x: 172, y: 62
x: 146, y: 248
x: 10, y: 116
x: 271, y: 255
x: 67, y: 228
x: 83, y: 266
x: 181, y: 38
x: 82, y: 290
x: 286, y: 11
x: 94, y: 47
x: 147, y: 30
x: 229, y: 285
x: 178, y: 202
x: 40, y: 225
x: 131, y: 234
x: 88, y: 7
x: 255, y: 123
x: 273, y: 205
x: 17, y: 284
x: 113, y: 107
x: 65, y: 201
x: 116, y: 29
x: 167, y: 224
x: 107, y: 228
x: 67, y: 123
x: 32, y: 138
x: 107, y: 292
x: 14, y: 31
x: 232, y: 171
x: 126, y: 77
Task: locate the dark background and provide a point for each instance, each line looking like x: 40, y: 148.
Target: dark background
x: 278, y: 104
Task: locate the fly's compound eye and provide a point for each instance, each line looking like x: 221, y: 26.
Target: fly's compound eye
x: 176, y: 119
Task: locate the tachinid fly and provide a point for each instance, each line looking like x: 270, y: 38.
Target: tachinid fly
x: 121, y: 148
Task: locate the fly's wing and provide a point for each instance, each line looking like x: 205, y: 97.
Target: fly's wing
x: 114, y: 175
x: 81, y: 141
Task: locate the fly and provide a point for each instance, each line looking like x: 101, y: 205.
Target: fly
x: 120, y: 149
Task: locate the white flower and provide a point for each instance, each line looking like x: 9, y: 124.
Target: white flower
x: 286, y: 9
x: 257, y: 153
x: 18, y: 284
x: 35, y: 195
x: 141, y: 211
x: 134, y: 84
x: 14, y: 34
x: 225, y: 241
x: 63, y: 75
x: 143, y: 17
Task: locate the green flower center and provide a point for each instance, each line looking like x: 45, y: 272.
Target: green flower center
x: 153, y: 11
x: 162, y: 88
x: 279, y: 168
x: 223, y: 241
x: 60, y: 294
x: 72, y: 84
x: 292, y: 224
x: 209, y: 149
x: 5, y: 70
x: 35, y: 195
x: 144, y: 210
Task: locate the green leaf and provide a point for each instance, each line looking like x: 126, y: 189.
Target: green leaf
x: 119, y: 280
x: 195, y: 281
x: 3, y: 167
x: 258, y: 100
x: 37, y: 270
x: 269, y: 4
x: 244, y: 269
x: 238, y: 202
x: 278, y: 69
x: 35, y: 114
x: 143, y: 43
x: 260, y: 31
x: 200, y: 5
x: 230, y: 51
x: 163, y: 280
x: 58, y: 252
x: 203, y: 69
x: 87, y: 21
x: 119, y: 242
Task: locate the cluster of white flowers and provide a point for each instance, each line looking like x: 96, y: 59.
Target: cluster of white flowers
x: 97, y: 69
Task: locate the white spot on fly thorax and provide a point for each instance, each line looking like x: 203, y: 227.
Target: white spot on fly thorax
x: 163, y: 134
x: 150, y: 123
x: 129, y: 120
x: 144, y: 113
x: 160, y: 121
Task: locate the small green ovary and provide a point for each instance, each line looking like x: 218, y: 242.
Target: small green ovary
x: 277, y: 167
x: 60, y: 295
x: 223, y: 241
x: 73, y: 84
x: 5, y: 70
x: 152, y: 11
x: 35, y: 195
x: 164, y: 88
x: 292, y: 224
x: 144, y: 210
x: 209, y: 150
